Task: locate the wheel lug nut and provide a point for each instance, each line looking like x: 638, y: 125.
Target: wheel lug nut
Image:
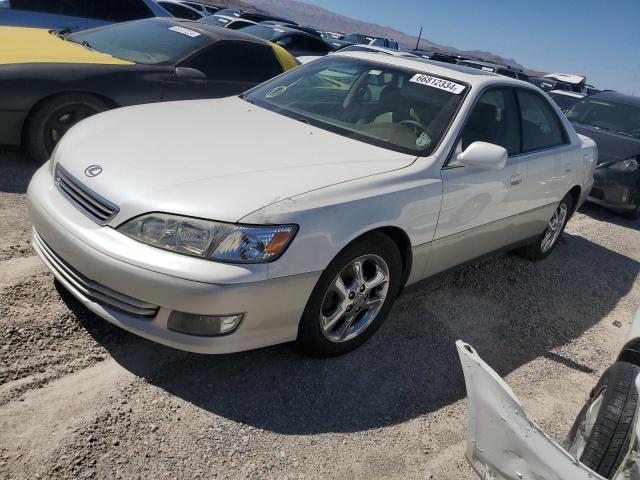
x: 362, y: 288
x: 352, y: 295
x: 349, y: 308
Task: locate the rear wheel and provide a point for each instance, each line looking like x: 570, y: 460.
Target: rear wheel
x: 545, y: 243
x: 602, y: 432
x: 352, y: 297
x: 54, y: 117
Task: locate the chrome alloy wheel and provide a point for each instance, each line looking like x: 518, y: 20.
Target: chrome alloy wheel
x: 586, y: 427
x: 554, y: 228
x: 354, y: 298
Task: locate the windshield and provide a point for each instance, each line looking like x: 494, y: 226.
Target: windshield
x: 267, y: 33
x: 150, y: 42
x: 607, y: 115
x: 565, y: 102
x: 357, y: 38
x: 398, y: 109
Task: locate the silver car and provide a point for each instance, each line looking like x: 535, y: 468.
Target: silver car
x: 301, y: 209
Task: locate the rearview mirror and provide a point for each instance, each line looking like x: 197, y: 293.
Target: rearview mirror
x: 484, y: 155
x: 187, y: 74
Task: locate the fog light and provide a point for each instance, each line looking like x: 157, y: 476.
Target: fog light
x: 625, y: 195
x: 203, y: 325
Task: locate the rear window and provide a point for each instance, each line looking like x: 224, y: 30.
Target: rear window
x: 151, y: 42
x: 397, y: 109
x: 267, y: 33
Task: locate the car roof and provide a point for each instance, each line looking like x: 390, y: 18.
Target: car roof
x: 474, y: 77
x: 492, y: 65
x: 618, y: 97
x: 285, y: 30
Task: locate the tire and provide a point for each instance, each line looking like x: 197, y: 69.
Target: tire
x: 538, y: 250
x: 632, y: 215
x: 54, y: 117
x: 376, y: 253
x: 607, y: 443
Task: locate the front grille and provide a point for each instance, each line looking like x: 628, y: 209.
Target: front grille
x: 90, y: 289
x: 97, y: 208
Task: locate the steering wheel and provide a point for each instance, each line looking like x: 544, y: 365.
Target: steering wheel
x: 415, y: 123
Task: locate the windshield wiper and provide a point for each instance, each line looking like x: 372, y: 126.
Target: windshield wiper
x: 84, y: 43
x: 62, y: 33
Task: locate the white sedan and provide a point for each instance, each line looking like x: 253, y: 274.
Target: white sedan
x: 302, y: 208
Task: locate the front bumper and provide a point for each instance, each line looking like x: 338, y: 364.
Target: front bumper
x: 140, y: 299
x: 618, y: 191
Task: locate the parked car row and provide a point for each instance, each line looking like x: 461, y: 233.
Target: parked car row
x: 50, y: 81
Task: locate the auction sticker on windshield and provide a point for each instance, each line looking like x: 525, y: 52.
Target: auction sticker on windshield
x: 440, y: 83
x: 185, y: 31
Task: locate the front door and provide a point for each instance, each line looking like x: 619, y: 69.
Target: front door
x: 478, y: 205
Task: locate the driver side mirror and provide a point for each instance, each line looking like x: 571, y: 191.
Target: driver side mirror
x: 486, y: 156
x: 187, y: 74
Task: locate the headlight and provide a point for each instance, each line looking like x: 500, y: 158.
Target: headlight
x: 223, y: 242
x: 629, y: 165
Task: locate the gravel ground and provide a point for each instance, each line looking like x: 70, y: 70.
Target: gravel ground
x: 80, y: 398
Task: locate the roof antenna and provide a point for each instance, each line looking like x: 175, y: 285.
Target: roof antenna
x: 419, y: 36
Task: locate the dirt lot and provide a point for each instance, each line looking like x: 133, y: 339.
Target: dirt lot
x: 80, y: 398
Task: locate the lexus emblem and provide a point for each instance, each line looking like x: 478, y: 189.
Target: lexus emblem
x: 93, y: 170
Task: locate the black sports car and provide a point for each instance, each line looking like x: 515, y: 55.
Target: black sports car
x: 49, y: 81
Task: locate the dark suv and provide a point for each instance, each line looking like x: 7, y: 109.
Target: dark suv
x: 75, y: 15
x: 612, y: 120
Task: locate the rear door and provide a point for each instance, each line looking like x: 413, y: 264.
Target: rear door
x: 547, y: 163
x: 230, y: 67
x: 51, y: 14
x: 478, y: 205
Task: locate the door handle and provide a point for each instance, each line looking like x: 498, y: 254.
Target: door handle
x: 516, y: 179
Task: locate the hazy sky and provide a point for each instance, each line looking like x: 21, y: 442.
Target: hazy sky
x: 600, y: 39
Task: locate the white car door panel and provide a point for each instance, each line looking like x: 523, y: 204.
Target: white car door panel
x: 478, y: 204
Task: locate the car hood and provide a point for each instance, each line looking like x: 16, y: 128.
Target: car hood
x: 36, y: 45
x: 218, y: 159
x: 611, y: 145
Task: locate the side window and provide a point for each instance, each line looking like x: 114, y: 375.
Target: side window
x: 72, y: 8
x: 494, y: 119
x: 118, y: 10
x: 316, y: 45
x: 237, y: 62
x: 541, y: 126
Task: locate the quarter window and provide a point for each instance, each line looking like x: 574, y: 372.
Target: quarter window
x: 540, y: 125
x: 494, y: 120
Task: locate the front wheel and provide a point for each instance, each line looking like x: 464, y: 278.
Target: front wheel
x: 352, y: 297
x: 545, y: 243
x: 602, y: 432
x: 54, y: 117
